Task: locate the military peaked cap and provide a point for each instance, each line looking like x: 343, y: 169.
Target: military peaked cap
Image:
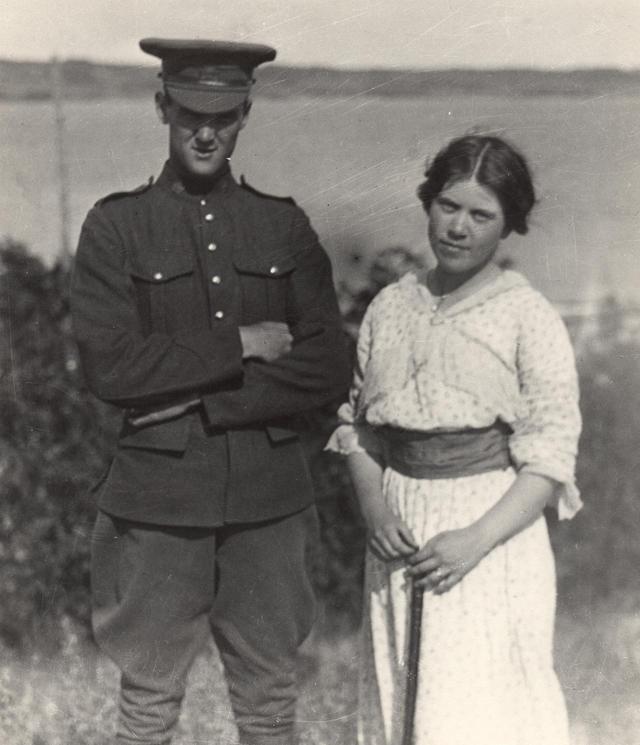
x: 207, y: 76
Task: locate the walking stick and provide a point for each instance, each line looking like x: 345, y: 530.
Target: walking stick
x: 415, y: 629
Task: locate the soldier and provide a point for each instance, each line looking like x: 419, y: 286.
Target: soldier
x: 206, y: 311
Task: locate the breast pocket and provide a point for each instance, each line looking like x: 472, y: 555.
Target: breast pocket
x: 165, y: 295
x: 264, y: 288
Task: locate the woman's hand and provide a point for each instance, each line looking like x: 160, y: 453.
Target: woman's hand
x: 390, y: 537
x: 446, y: 558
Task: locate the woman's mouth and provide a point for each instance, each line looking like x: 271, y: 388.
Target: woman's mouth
x: 452, y: 247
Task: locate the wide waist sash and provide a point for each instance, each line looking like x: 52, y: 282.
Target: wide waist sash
x: 447, y: 455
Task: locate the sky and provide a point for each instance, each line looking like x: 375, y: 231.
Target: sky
x: 556, y: 34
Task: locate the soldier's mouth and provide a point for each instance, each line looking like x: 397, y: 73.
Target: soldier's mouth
x: 204, y: 152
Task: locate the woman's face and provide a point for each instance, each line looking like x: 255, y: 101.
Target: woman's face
x: 466, y: 224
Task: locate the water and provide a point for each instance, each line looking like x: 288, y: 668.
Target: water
x: 354, y: 165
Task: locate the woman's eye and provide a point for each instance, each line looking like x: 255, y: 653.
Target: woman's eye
x: 482, y: 216
x: 446, y: 206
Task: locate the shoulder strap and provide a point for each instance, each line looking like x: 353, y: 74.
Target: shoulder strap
x: 251, y: 190
x: 121, y: 194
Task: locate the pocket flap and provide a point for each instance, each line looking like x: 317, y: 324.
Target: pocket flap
x: 280, y: 434
x: 265, y: 267
x: 166, y: 269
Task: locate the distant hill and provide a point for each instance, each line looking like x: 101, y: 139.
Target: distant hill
x: 88, y: 80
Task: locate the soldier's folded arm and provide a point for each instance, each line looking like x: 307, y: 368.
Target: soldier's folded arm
x: 315, y: 372
x: 122, y: 365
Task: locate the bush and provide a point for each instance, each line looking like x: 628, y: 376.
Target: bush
x: 598, y: 551
x: 52, y: 446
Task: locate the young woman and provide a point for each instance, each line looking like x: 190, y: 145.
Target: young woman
x: 462, y: 425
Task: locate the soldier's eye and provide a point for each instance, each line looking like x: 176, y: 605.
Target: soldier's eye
x: 225, y: 120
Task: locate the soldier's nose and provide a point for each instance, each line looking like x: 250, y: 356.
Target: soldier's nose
x: 205, y: 133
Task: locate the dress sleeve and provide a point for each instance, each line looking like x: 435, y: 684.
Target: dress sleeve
x: 545, y: 441
x: 354, y: 434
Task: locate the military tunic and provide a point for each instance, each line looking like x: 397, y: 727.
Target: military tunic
x: 163, y: 279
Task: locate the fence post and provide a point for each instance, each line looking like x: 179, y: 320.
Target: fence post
x: 62, y: 160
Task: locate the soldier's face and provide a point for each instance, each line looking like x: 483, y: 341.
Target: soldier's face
x: 200, y: 144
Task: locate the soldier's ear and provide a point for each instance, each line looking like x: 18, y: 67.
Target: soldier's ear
x: 161, y: 107
x: 245, y: 113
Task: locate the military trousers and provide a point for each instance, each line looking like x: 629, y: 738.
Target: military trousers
x: 158, y: 592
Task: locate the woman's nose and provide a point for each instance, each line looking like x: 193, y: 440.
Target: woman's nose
x: 457, y: 225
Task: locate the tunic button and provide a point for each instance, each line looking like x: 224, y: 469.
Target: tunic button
x: 157, y: 275
x: 216, y: 279
x: 273, y: 270
x: 208, y: 217
x: 212, y: 247
x: 219, y: 314
x: 203, y: 202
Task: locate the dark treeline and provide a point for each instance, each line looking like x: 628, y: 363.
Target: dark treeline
x: 55, y: 439
x: 82, y: 79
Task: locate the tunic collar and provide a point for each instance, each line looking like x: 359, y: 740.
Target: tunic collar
x: 222, y: 185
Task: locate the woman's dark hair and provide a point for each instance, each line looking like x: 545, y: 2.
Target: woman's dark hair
x: 495, y: 164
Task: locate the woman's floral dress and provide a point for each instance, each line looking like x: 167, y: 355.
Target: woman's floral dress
x: 485, y: 670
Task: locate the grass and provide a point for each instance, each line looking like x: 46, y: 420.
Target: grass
x: 70, y: 699
x: 598, y: 661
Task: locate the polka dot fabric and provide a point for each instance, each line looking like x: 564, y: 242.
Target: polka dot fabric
x: 485, y: 671
x: 501, y: 353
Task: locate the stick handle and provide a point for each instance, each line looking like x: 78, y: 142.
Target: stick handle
x: 415, y: 630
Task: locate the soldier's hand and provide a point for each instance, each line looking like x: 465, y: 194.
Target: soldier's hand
x: 143, y: 418
x: 267, y: 340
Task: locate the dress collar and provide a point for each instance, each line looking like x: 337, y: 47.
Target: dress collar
x: 506, y: 280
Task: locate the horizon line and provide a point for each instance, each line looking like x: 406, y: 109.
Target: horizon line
x: 337, y: 68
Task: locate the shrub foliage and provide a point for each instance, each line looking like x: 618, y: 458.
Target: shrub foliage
x: 52, y: 445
